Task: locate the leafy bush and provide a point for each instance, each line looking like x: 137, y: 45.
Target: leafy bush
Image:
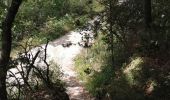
x: 78, y: 6
x: 95, y: 68
x: 32, y: 77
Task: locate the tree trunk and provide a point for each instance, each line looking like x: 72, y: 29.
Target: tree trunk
x: 6, y: 45
x: 110, y: 29
x: 148, y: 13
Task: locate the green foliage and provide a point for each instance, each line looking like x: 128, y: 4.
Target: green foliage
x: 78, y: 6
x: 3, y: 11
x: 97, y: 61
x: 161, y: 24
x: 34, y: 15
x: 119, y: 89
x: 41, y: 19
x: 46, y: 19
x: 54, y: 28
x: 140, y: 58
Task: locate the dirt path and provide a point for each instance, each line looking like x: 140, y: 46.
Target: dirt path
x: 64, y: 57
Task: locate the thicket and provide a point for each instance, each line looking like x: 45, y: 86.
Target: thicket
x: 32, y: 76
x: 140, y: 68
x: 46, y: 18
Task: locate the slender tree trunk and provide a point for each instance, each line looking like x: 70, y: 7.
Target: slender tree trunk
x: 148, y: 13
x: 6, y: 45
x: 148, y: 18
x: 111, y: 29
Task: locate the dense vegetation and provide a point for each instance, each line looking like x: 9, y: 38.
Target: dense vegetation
x: 134, y: 63
x: 45, y: 19
x: 129, y: 60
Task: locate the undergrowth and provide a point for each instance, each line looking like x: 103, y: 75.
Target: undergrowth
x: 130, y: 78
x: 103, y: 79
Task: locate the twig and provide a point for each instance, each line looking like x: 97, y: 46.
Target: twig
x: 19, y: 85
